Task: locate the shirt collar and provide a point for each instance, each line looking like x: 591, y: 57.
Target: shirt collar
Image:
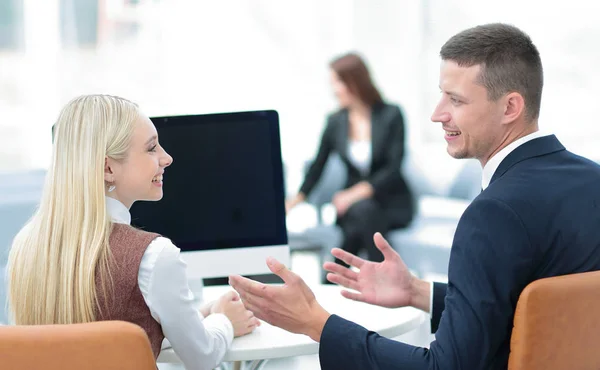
x: 492, y: 165
x: 117, y: 211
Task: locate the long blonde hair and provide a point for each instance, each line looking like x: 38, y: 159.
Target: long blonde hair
x: 55, y: 258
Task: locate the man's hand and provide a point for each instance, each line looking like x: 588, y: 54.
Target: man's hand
x: 292, y: 307
x: 387, y: 284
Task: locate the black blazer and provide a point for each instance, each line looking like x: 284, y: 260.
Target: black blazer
x: 538, y: 218
x: 387, y: 151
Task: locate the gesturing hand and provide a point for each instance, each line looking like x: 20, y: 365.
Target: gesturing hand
x: 291, y: 306
x: 387, y: 284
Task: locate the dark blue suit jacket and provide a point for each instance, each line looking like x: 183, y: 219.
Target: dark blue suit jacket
x: 539, y: 217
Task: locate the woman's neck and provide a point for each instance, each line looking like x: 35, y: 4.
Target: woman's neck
x: 359, y: 116
x: 360, y: 111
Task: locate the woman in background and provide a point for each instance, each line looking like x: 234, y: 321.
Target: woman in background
x: 78, y: 259
x: 368, y: 134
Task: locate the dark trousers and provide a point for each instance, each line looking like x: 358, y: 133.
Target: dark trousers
x: 360, y: 222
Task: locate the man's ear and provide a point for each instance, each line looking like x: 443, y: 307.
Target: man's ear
x: 109, y: 176
x: 514, y: 107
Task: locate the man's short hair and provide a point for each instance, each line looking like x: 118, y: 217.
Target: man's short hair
x: 509, y: 61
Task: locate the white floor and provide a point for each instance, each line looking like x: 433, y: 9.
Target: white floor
x: 306, y: 265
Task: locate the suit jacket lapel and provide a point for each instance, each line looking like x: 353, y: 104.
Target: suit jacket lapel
x: 378, y: 132
x: 533, y: 148
x: 343, y: 134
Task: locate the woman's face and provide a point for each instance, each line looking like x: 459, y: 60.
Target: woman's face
x: 140, y: 175
x: 341, y: 91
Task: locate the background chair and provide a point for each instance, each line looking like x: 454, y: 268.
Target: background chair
x: 556, y: 324
x: 322, y: 234
x: 103, y: 345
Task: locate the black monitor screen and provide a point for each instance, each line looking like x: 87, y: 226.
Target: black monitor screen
x: 225, y: 186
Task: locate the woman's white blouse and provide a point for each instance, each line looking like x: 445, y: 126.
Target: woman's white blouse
x: 359, y: 153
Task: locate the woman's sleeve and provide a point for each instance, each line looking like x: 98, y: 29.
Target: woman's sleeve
x: 199, y: 342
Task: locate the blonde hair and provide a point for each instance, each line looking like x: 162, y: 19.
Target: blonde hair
x: 55, y: 258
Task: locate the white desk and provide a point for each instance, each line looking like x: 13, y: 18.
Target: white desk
x: 268, y: 342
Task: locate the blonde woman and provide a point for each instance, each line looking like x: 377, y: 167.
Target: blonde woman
x: 78, y: 259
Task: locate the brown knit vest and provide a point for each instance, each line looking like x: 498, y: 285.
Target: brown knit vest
x: 125, y: 302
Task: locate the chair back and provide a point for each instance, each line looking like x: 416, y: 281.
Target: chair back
x: 332, y: 179
x: 556, y: 324
x: 102, y: 345
x: 416, y: 177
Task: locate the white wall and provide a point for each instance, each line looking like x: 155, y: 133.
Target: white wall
x: 193, y: 56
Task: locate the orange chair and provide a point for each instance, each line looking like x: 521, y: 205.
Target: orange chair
x: 557, y: 324
x: 106, y: 345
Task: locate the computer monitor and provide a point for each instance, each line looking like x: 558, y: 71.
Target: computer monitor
x: 223, y: 202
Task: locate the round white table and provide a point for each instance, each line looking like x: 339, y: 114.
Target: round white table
x: 268, y: 342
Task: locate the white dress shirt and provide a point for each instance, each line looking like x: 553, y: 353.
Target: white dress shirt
x: 488, y: 172
x: 199, y: 342
x: 492, y: 165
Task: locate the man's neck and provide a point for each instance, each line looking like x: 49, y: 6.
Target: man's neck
x: 509, y: 138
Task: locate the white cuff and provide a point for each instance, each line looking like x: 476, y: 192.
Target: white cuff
x: 218, y: 322
x: 431, y: 298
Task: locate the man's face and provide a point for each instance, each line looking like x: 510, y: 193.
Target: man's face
x: 471, y: 122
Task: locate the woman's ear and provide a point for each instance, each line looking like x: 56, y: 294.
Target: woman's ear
x: 109, y: 176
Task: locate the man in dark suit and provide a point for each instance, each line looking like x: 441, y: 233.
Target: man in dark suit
x: 538, y: 216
